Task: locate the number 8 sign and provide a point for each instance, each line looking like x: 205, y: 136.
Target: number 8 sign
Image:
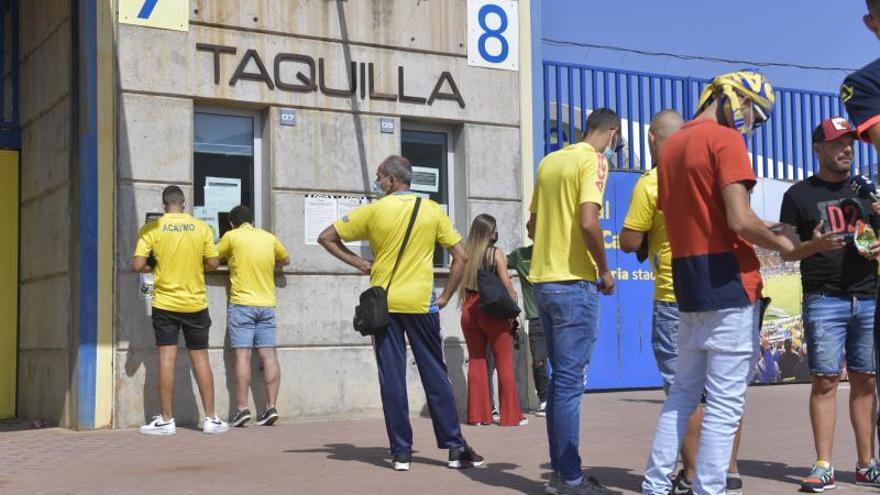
x: 493, y: 34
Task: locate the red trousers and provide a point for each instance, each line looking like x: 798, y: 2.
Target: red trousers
x: 479, y: 329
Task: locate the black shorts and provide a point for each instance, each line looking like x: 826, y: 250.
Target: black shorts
x: 167, y: 325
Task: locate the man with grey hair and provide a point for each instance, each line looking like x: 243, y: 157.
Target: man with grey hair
x: 413, y: 308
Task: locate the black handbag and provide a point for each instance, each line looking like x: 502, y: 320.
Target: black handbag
x: 494, y: 298
x: 371, y: 316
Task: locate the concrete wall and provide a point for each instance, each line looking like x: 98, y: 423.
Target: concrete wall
x: 45, y: 310
x: 327, y: 369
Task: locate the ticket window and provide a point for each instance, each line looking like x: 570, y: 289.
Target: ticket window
x: 226, y: 166
x: 430, y: 151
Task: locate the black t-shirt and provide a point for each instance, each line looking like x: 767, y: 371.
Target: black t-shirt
x: 860, y: 92
x: 843, y: 272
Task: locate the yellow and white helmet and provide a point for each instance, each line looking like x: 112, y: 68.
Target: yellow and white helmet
x: 742, y: 83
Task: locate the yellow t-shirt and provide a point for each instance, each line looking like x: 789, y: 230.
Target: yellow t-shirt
x: 384, y: 223
x: 180, y: 244
x: 566, y: 179
x: 644, y: 216
x: 251, y: 254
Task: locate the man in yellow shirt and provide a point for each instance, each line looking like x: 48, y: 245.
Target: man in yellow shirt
x: 183, y: 248
x: 645, y: 223
x: 252, y: 255
x: 413, y: 309
x: 568, y: 271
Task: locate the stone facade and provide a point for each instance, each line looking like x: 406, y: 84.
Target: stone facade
x: 45, y: 273
x: 328, y: 370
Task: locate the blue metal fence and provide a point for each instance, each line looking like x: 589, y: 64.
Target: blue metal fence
x: 782, y: 149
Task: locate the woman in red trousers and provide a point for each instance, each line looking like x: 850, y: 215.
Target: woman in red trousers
x: 481, y: 328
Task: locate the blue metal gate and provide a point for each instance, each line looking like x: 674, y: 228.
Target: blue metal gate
x: 782, y: 149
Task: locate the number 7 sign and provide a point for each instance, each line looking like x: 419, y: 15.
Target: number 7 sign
x: 162, y: 14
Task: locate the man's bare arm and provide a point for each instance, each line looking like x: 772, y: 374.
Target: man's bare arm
x: 331, y: 241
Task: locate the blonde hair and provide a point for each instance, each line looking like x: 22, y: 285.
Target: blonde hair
x: 480, y: 237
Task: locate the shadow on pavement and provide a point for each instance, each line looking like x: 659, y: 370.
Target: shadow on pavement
x: 498, y: 474
x: 376, y: 456
x: 610, y: 477
x: 778, y: 471
x: 492, y: 474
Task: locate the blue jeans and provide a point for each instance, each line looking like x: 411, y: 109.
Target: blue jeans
x: 251, y: 326
x: 834, y: 324
x: 569, y: 313
x: 664, y: 339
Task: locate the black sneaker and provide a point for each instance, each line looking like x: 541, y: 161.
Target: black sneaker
x: 734, y: 484
x: 401, y: 462
x: 268, y: 418
x: 681, y: 485
x: 464, y: 457
x: 240, y: 417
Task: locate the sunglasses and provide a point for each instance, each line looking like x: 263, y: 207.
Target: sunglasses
x: 760, y: 117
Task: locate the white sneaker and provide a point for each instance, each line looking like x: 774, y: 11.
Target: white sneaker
x: 214, y: 425
x: 542, y: 410
x: 159, y: 427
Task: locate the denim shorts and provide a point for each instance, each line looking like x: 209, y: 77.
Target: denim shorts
x: 251, y: 326
x: 833, y: 325
x: 664, y: 339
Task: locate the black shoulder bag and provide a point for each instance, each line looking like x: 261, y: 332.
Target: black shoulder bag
x: 371, y: 315
x: 494, y: 298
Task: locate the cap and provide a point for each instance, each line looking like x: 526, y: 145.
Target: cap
x: 832, y: 129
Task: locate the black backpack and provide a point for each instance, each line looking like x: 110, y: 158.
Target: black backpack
x: 494, y: 298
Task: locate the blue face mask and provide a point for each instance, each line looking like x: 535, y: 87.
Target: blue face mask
x: 377, y: 189
x: 611, y: 151
x: 609, y: 155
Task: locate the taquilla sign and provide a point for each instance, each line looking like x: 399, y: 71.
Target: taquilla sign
x: 312, y: 76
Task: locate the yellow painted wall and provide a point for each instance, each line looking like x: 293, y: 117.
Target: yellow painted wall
x: 8, y: 281
x: 106, y: 180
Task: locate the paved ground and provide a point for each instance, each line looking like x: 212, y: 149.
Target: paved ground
x: 350, y: 456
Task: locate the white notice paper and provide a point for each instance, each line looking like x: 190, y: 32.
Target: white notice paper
x: 344, y: 206
x: 222, y: 193
x: 320, y: 212
x: 425, y: 179
x: 211, y: 217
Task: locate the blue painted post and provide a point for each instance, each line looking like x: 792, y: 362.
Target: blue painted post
x: 571, y: 133
x: 783, y: 127
x: 642, y: 136
x: 582, y: 75
x: 629, y: 121
x: 617, y: 108
x: 557, y: 83
x: 546, y: 109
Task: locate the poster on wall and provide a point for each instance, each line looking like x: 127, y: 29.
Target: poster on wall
x: 783, y: 355
x: 321, y: 210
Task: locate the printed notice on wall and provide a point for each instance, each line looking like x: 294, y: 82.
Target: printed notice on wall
x: 222, y: 193
x: 321, y: 210
x: 211, y: 217
x: 425, y: 179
